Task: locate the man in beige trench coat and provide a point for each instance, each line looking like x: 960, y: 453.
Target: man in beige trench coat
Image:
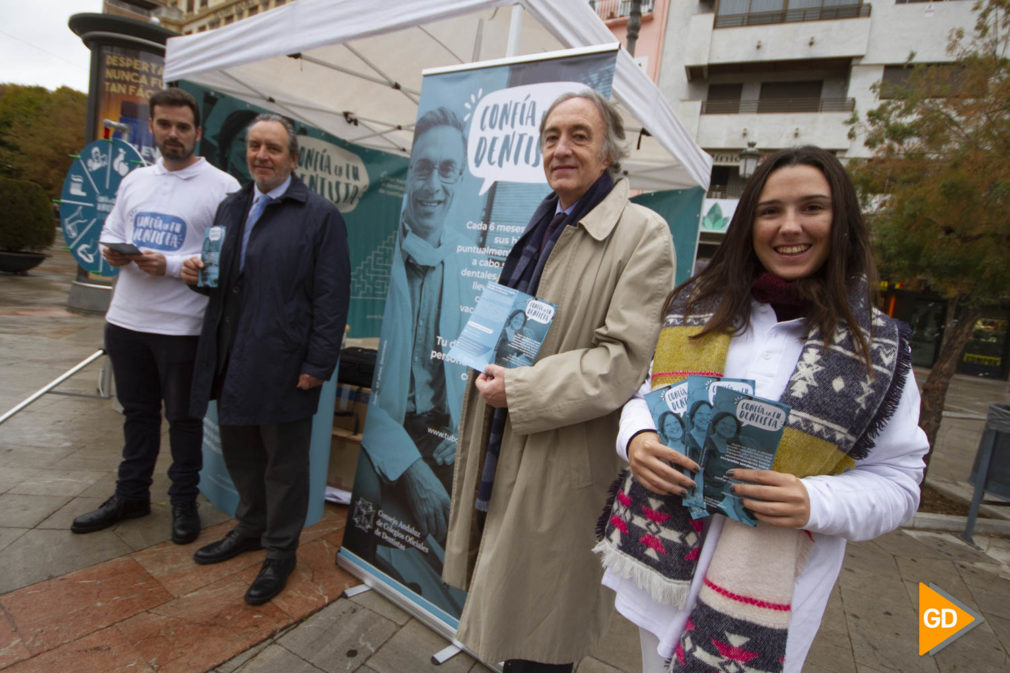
x: 536, y: 444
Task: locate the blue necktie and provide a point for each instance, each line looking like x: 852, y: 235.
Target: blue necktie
x: 254, y: 214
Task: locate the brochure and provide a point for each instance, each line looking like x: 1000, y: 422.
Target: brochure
x: 507, y: 328
x: 667, y: 406
x: 211, y: 255
x: 744, y: 431
x: 701, y: 392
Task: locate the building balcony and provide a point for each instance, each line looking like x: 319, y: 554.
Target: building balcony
x: 813, y: 43
x: 618, y: 10
x: 776, y: 105
x: 854, y: 10
x: 773, y: 130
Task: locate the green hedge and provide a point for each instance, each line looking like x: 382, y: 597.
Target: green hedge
x: 26, y: 216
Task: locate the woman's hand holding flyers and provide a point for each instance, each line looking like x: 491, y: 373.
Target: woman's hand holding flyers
x: 654, y: 465
x: 776, y: 498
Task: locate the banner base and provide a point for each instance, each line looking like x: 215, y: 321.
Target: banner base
x: 408, y: 601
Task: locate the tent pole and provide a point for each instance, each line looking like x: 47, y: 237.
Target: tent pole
x: 477, y: 41
x: 514, y: 28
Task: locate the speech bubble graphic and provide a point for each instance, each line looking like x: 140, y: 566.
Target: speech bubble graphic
x: 539, y: 311
x: 761, y: 415
x: 676, y: 399
x: 504, y: 139
x: 332, y: 172
x: 738, y: 386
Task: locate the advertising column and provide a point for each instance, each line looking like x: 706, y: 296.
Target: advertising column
x: 127, y: 59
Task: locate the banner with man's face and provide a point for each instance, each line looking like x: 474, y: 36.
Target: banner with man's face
x: 475, y: 177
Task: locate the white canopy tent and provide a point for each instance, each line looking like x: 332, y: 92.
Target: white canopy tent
x: 353, y: 68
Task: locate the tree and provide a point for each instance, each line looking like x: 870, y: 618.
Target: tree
x: 39, y: 129
x: 938, y: 185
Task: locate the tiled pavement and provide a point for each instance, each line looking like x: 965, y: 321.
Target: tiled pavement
x: 126, y: 599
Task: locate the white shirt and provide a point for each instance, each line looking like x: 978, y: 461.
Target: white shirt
x: 876, y: 496
x: 166, y: 212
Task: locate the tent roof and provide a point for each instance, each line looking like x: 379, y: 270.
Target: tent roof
x: 353, y: 68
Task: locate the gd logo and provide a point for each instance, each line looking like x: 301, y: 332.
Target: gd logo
x: 942, y: 619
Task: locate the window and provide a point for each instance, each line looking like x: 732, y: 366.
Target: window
x: 723, y: 98
x: 735, y: 13
x: 941, y: 80
x: 790, y: 96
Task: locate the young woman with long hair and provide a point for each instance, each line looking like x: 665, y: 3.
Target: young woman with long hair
x: 787, y: 301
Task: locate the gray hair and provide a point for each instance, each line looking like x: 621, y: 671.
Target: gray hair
x: 613, y: 148
x: 283, y: 121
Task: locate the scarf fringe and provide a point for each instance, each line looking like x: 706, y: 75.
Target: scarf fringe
x: 892, y: 398
x: 659, y: 588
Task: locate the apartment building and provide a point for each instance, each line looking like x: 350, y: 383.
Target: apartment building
x: 759, y: 75
x: 190, y: 16
x: 770, y: 74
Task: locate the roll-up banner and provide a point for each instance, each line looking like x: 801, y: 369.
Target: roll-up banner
x: 474, y: 180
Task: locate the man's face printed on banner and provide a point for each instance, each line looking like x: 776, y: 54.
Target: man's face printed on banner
x: 436, y: 166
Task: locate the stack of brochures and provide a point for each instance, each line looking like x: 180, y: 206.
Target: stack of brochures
x: 507, y: 328
x: 720, y: 424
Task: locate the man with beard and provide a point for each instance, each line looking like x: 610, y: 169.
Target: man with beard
x: 153, y: 321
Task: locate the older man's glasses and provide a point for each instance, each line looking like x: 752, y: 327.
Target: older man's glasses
x: 449, y: 172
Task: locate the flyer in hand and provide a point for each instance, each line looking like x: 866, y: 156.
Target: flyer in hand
x: 667, y: 406
x: 744, y: 431
x: 701, y: 392
x: 507, y: 328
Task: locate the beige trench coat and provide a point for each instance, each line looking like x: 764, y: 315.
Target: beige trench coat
x: 534, y: 585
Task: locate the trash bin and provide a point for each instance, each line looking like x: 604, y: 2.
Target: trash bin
x: 991, y: 470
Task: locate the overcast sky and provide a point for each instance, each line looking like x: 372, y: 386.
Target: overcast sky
x: 37, y: 46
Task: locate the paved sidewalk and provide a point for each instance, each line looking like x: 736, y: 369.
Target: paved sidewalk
x: 127, y: 599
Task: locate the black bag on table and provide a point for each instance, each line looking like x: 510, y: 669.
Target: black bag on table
x: 357, y: 366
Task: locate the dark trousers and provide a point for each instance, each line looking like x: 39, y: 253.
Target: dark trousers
x: 524, y: 666
x: 151, y: 369
x: 269, y: 465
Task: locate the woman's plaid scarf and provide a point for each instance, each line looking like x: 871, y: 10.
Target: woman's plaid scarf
x: 741, y: 617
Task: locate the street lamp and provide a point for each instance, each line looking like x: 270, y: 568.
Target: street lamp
x: 749, y: 160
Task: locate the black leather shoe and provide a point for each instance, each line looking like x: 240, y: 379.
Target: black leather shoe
x: 271, y: 580
x: 110, y: 512
x: 185, y: 523
x: 230, y: 546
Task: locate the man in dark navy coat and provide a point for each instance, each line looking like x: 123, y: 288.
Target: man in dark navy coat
x: 270, y: 338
